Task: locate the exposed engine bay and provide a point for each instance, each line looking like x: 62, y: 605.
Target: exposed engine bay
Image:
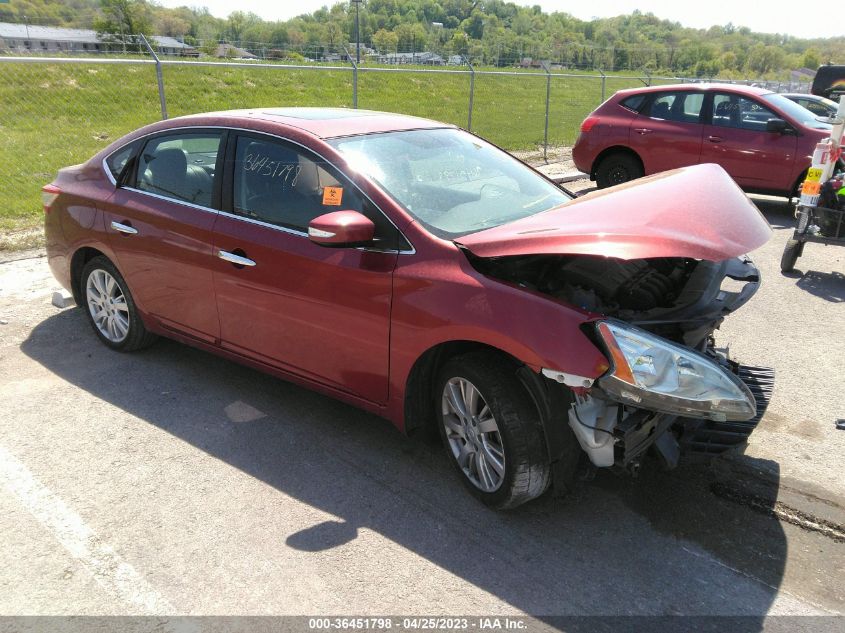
x: 680, y: 299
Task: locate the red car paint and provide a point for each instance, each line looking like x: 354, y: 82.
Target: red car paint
x: 638, y: 220
x: 354, y: 323
x: 760, y: 161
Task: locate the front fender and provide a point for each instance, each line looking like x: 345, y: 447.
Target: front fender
x: 435, y: 304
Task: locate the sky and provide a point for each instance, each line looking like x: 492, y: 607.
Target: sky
x: 779, y: 16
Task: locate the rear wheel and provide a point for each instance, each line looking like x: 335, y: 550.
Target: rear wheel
x: 791, y: 252
x: 111, y: 309
x: 617, y: 168
x: 491, y: 430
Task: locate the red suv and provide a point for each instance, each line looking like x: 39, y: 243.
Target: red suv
x: 762, y: 139
x: 412, y: 269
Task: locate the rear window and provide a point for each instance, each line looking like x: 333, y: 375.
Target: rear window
x: 633, y: 103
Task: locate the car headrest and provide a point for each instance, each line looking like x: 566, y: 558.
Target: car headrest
x: 168, y: 164
x: 660, y: 110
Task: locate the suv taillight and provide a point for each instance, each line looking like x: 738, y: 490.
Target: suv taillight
x: 588, y: 123
x: 49, y: 193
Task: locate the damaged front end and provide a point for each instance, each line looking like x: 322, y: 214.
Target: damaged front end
x: 667, y: 385
x: 655, y: 265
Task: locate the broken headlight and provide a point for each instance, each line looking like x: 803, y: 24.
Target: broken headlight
x: 652, y: 373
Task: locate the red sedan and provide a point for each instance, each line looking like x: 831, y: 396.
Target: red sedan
x: 414, y: 270
x: 762, y: 139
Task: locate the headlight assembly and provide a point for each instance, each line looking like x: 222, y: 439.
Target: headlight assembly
x: 652, y: 373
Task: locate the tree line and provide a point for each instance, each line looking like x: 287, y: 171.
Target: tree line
x: 489, y: 32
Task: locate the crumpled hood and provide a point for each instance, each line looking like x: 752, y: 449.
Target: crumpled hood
x: 697, y: 212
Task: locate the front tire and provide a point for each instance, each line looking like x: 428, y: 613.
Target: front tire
x: 110, y: 309
x: 491, y: 430
x: 617, y: 168
x: 791, y: 253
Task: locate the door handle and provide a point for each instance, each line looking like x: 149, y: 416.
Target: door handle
x: 237, y: 260
x: 714, y: 139
x: 642, y: 130
x: 126, y: 229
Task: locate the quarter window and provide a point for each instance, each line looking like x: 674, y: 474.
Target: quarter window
x: 117, y: 161
x: 180, y: 166
x: 634, y: 102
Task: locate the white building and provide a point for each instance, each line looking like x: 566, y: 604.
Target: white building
x: 23, y: 38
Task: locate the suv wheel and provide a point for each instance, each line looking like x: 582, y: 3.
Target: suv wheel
x: 491, y: 430
x: 616, y: 169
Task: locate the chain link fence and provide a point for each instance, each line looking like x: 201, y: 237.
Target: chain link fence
x: 58, y: 111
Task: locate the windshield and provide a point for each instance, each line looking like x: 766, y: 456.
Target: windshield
x: 798, y: 113
x: 450, y: 181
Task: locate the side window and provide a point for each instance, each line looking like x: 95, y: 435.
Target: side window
x: 282, y: 184
x: 741, y: 113
x: 693, y: 102
x: 724, y: 109
x: 662, y: 106
x: 118, y: 159
x: 813, y: 106
x: 180, y: 166
x: 683, y: 107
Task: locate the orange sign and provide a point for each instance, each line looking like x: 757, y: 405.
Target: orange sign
x: 332, y: 196
x: 811, y: 188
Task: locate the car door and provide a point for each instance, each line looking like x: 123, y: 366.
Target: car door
x: 321, y: 313
x: 667, y: 133
x: 159, y: 224
x: 736, y: 138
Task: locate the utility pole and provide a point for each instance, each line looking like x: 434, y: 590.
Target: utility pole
x: 357, y: 3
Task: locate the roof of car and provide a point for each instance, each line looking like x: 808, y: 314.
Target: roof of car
x: 750, y: 90
x: 331, y: 122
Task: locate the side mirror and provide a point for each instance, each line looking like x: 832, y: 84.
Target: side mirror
x: 341, y: 228
x: 779, y: 126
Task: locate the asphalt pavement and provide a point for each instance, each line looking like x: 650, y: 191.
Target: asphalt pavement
x: 172, y: 481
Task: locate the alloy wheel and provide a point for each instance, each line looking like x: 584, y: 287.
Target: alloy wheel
x: 107, y: 305
x: 473, y: 434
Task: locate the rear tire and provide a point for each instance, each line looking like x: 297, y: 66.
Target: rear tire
x: 616, y: 169
x: 110, y: 309
x: 497, y: 445
x: 791, y: 252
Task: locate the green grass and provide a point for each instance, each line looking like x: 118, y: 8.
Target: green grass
x: 53, y: 115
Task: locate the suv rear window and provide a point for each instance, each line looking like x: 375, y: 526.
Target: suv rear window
x: 633, y: 103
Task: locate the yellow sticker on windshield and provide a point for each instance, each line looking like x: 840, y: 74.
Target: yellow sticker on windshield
x: 814, y: 174
x: 332, y: 195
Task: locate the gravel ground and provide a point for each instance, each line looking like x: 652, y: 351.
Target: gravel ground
x: 174, y: 482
